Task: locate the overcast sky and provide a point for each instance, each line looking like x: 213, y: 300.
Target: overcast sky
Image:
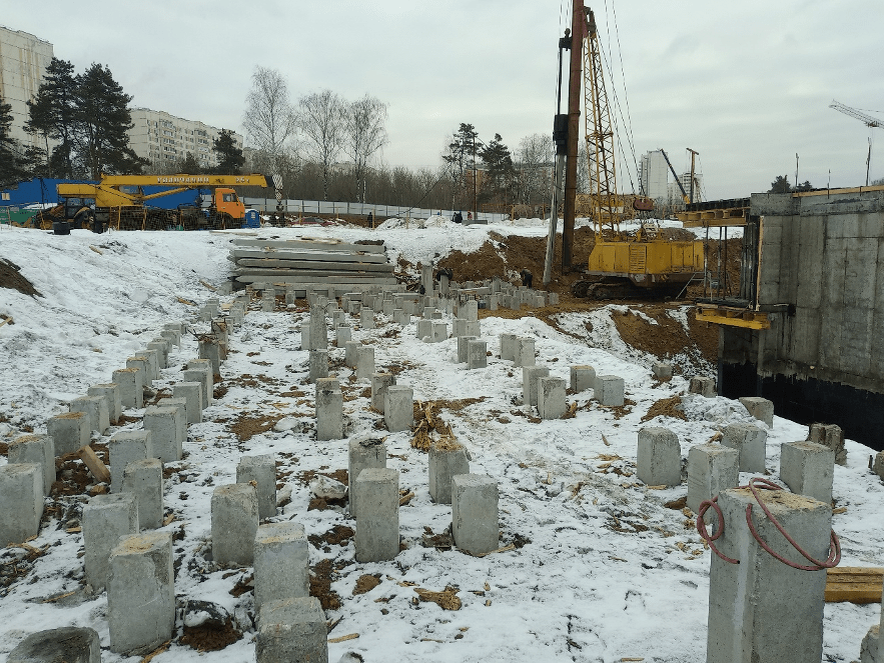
x: 747, y: 84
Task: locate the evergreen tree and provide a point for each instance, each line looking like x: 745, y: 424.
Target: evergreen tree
x: 104, y: 119
x: 500, y: 173
x: 11, y: 162
x: 230, y: 157
x: 460, y: 155
x: 53, y: 113
x: 780, y: 185
x: 190, y: 165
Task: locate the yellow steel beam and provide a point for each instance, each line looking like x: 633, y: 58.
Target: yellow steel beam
x: 753, y: 320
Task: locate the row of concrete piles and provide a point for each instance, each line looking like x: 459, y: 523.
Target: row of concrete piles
x: 124, y: 553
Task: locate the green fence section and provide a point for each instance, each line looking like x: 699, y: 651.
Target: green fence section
x: 15, y: 215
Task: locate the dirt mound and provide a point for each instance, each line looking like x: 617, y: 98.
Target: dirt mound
x: 10, y: 277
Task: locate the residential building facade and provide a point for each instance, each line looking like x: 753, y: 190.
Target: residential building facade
x: 654, y: 175
x: 23, y: 62
x: 164, y: 139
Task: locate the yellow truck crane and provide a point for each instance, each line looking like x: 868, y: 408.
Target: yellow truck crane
x: 120, y: 202
x: 647, y: 264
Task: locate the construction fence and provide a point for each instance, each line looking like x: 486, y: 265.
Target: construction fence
x: 379, y: 212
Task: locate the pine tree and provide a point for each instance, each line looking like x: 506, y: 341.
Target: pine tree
x: 104, y: 119
x: 780, y: 185
x: 11, y: 155
x: 230, y: 157
x: 500, y: 173
x: 190, y: 165
x: 461, y: 155
x: 53, y: 113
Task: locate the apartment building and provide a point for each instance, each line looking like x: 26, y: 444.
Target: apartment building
x: 23, y: 62
x: 165, y: 139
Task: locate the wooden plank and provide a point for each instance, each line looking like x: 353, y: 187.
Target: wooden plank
x: 322, y: 245
x: 310, y: 265
x: 325, y: 255
x: 314, y: 275
x: 94, y: 464
x: 859, y: 585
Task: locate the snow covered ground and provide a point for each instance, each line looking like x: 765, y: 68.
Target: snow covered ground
x: 600, y: 570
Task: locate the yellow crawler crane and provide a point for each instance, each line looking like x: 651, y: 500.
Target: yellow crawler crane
x: 642, y: 265
x: 120, y: 202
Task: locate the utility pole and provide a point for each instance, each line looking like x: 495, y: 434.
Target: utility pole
x: 578, y: 31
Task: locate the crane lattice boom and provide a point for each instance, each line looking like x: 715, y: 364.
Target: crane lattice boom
x: 868, y: 120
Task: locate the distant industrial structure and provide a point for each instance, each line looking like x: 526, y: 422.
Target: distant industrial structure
x: 656, y: 184
x: 164, y: 139
x: 23, y: 62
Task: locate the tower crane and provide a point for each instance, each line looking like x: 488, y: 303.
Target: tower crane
x: 867, y: 120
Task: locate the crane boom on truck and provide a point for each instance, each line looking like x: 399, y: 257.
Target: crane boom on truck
x: 120, y: 201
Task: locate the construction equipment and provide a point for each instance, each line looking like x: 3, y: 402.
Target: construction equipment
x: 645, y: 264
x: 867, y: 120
x: 120, y: 202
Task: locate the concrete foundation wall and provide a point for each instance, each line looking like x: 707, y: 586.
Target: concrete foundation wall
x: 821, y: 278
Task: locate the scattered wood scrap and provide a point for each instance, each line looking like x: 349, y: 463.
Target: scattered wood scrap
x: 447, y: 599
x: 859, y: 585
x: 346, y: 637
x: 94, y: 464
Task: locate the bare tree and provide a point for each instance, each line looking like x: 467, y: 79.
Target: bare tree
x: 365, y: 135
x: 322, y: 120
x: 534, y: 160
x: 269, y: 118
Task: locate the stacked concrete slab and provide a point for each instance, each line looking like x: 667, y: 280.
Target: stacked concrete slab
x: 347, y: 268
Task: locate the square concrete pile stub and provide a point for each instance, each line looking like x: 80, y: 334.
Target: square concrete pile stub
x: 808, y: 469
x: 377, y: 520
x: 192, y: 393
x: 474, y: 513
x: 165, y: 425
x: 234, y: 524
x: 364, y: 452
x: 753, y: 604
x: 111, y: 391
x: 750, y: 441
x: 125, y: 447
x: 281, y: 563
x: 551, y: 403
x: 106, y: 518
x: 292, y: 630
x: 582, y: 378
x: 760, y: 409
x: 21, y: 494
x: 260, y: 469
x: 65, y: 644
x: 711, y: 469
x: 446, y: 461
x: 69, y: 432
x: 659, y: 457
x: 97, y: 410
x: 530, y: 376
x: 144, y: 479
x: 702, y: 385
x: 35, y: 449
x: 398, y: 408
x: 610, y: 390
x: 141, y: 592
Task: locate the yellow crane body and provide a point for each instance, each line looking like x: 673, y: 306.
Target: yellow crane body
x: 647, y: 263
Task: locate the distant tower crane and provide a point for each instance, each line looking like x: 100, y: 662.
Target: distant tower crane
x: 867, y: 120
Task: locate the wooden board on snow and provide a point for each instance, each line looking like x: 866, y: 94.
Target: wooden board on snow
x: 859, y: 585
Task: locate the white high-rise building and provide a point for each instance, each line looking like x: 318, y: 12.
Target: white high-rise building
x: 164, y: 139
x: 23, y: 62
x: 654, y: 175
x: 685, y: 178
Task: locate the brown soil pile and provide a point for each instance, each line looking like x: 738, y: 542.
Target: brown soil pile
x: 209, y: 638
x: 668, y: 337
x: 669, y: 407
x: 323, y: 573
x: 365, y: 583
x: 247, y: 426
x: 10, y: 277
